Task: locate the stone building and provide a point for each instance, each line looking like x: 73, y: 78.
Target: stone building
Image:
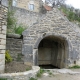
x: 52, y: 40
x: 31, y: 5
x: 3, y: 23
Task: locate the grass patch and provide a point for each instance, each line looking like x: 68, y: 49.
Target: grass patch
x: 19, y: 56
x: 19, y: 29
x: 3, y: 79
x: 27, y: 69
x: 32, y: 78
x: 39, y: 74
x: 50, y: 73
x: 75, y: 67
x: 8, y: 57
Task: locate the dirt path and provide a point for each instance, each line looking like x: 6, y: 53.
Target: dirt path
x: 62, y: 77
x: 64, y: 74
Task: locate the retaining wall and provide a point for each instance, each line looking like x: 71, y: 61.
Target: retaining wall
x: 14, y: 46
x: 3, y: 23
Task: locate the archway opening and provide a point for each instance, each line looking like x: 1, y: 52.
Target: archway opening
x: 52, y: 52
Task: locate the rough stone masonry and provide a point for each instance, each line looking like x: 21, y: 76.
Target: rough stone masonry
x: 54, y: 29
x: 3, y: 23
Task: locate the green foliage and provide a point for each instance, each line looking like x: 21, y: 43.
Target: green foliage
x: 75, y: 67
x: 32, y: 78
x: 39, y: 74
x: 72, y: 16
x: 3, y: 78
x: 11, y: 20
x: 27, y: 69
x: 19, y: 57
x: 19, y: 30
x: 8, y: 58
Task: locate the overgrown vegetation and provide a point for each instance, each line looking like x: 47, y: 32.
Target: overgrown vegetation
x: 70, y: 13
x: 11, y: 20
x: 12, y: 26
x: 75, y: 67
x: 39, y: 74
x: 19, y: 57
x: 3, y: 78
x: 8, y: 57
x: 19, y: 30
x: 32, y: 78
x: 29, y: 68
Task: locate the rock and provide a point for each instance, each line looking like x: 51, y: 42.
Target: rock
x: 45, y: 74
x: 13, y: 35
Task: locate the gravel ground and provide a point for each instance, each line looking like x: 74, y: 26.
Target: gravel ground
x: 62, y: 77
x: 15, y: 66
x: 62, y: 74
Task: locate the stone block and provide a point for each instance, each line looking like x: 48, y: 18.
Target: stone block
x: 3, y: 32
x: 2, y: 68
x: 27, y: 49
x: 2, y: 36
x: 3, y: 42
x: 2, y: 46
x: 2, y: 51
x: 2, y: 63
x: 4, y: 27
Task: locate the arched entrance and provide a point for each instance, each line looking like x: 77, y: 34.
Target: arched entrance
x: 53, y: 51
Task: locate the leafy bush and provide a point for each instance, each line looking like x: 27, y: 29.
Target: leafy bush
x: 39, y: 74
x: 32, y: 78
x: 8, y: 58
x: 75, y: 67
x: 3, y: 78
x: 11, y: 20
x: 72, y: 16
x: 19, y: 30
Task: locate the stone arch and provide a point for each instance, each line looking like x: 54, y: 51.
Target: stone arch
x: 60, y: 41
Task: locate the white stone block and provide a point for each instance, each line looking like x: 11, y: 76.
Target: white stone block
x: 2, y: 36
x: 2, y: 63
x: 2, y: 51
x: 2, y: 56
x: 3, y: 41
x: 2, y: 68
x: 2, y: 46
x: 4, y: 32
x: 4, y: 27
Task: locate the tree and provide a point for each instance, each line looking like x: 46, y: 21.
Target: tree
x: 54, y: 2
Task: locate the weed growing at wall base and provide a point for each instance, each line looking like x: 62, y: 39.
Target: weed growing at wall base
x: 75, y: 67
x: 32, y: 78
x: 39, y: 74
x: 8, y: 58
x: 3, y: 79
x: 19, y: 29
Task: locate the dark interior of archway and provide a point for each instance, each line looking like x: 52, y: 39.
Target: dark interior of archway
x: 51, y: 53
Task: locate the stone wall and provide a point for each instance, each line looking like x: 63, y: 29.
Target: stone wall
x: 14, y: 46
x: 21, y: 75
x: 57, y: 26
x: 26, y: 17
x: 3, y: 23
x: 25, y: 4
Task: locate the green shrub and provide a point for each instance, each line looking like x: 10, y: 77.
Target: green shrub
x: 75, y: 67
x: 3, y: 78
x: 39, y: 74
x: 11, y: 20
x: 32, y: 78
x: 27, y: 69
x: 8, y: 58
x: 19, y: 57
x: 19, y: 30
